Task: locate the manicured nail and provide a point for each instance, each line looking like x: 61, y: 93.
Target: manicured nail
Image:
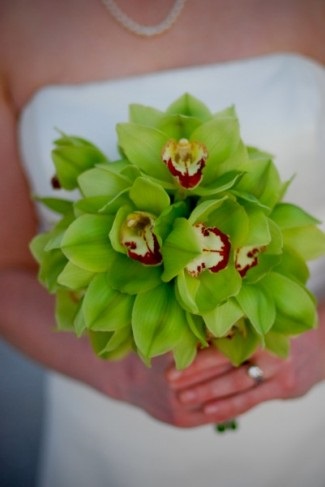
x: 211, y: 409
x: 188, y: 396
x: 174, y: 374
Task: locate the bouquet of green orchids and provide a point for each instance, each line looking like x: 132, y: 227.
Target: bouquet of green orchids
x: 185, y: 242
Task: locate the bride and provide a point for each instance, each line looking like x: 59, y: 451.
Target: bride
x: 77, y: 65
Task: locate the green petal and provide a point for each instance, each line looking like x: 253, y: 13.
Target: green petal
x: 51, y: 263
x: 56, y: 234
x: 149, y: 196
x: 38, y: 244
x: 293, y: 266
x: 72, y: 156
x: 202, y: 294
x: 157, y: 321
x: 235, y: 162
x: 299, y: 230
x: 131, y: 277
x: 93, y: 204
x: 221, y: 319
x: 287, y: 215
x: 216, y: 287
x: 114, y: 204
x: 262, y: 180
x: 99, y: 341
x: 86, y: 242
x: 186, y: 290
x: 292, y: 300
x: 179, y: 248
x: 259, y: 231
x: 240, y: 347
x: 58, y: 205
x: 144, y: 115
x: 67, y: 305
x: 74, y: 277
x: 277, y: 344
x: 79, y: 323
x: 115, y: 231
x: 120, y: 344
x: 129, y: 171
x: 258, y: 305
x: 308, y: 241
x: 102, y: 181
x: 142, y: 146
x: 111, y: 345
x: 190, y: 106
x: 222, y: 183
x: 275, y: 246
x: 165, y: 221
x: 266, y: 263
x: 186, y: 349
x: 198, y: 329
x: 178, y: 126
x: 221, y: 138
x: 202, y: 211
x: 225, y: 214
x: 105, y: 309
x: 290, y: 326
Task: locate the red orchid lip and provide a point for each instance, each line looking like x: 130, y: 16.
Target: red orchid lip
x: 215, y: 250
x: 246, y: 258
x: 138, y: 238
x: 185, y: 160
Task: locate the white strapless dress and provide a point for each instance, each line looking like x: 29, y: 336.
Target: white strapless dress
x: 91, y: 441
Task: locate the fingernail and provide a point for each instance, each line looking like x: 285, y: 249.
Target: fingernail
x: 188, y: 396
x: 211, y: 409
x: 174, y: 374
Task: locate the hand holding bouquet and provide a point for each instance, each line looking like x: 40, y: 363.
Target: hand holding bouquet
x: 185, y: 242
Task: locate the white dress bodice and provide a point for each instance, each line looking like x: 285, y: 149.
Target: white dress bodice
x: 280, y: 101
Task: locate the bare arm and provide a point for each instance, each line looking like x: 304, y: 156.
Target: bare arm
x: 27, y: 310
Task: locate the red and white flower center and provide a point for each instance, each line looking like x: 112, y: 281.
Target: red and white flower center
x: 185, y: 160
x: 246, y: 258
x: 138, y: 238
x: 215, y: 250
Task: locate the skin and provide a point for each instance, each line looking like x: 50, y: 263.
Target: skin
x: 76, y: 41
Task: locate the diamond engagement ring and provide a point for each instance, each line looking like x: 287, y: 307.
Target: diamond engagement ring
x: 255, y: 373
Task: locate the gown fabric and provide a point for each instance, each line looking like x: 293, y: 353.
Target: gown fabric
x: 90, y: 440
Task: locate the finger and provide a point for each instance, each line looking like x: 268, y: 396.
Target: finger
x: 208, y: 363
x: 227, y: 408
x: 235, y: 405
x: 232, y: 382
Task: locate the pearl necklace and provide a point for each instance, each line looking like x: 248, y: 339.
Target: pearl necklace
x: 144, y: 30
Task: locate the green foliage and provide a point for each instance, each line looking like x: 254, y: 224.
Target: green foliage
x: 177, y: 286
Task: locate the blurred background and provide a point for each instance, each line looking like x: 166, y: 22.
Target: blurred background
x: 21, y: 416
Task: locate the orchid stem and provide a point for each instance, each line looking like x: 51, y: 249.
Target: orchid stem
x: 232, y: 424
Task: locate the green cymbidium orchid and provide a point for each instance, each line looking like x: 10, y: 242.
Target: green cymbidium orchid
x: 71, y: 157
x: 186, y: 149
x: 185, y: 160
x: 273, y: 303
x: 183, y: 243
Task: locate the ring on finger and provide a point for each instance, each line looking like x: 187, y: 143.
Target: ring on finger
x: 255, y: 373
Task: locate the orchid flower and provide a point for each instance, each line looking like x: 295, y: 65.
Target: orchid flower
x: 186, y: 149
